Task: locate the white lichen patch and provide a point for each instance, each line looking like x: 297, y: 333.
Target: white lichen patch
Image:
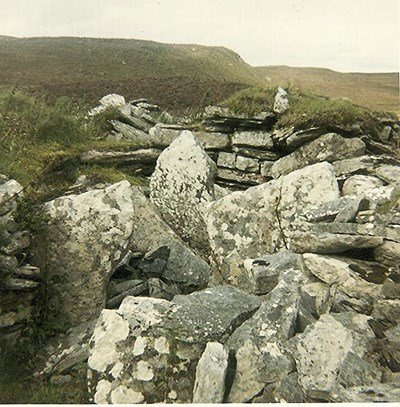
x: 140, y: 346
x: 273, y: 349
x: 103, y: 389
x: 172, y: 395
x: 182, y: 185
x: 143, y: 372
x: 125, y: 395
x: 111, y: 328
x: 161, y: 345
x: 116, y: 370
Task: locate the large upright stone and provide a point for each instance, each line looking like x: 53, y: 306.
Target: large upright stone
x: 182, y: 185
x: 261, y: 219
x: 281, y: 102
x: 87, y: 237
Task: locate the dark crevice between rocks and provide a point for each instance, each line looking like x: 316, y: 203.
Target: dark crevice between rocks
x: 278, y: 217
x: 259, y: 394
x: 240, y: 320
x: 230, y: 374
x: 359, y: 254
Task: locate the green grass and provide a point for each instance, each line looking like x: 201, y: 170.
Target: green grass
x: 375, y: 91
x: 18, y: 386
x: 41, y: 142
x: 306, y: 110
x: 312, y: 111
x: 251, y: 101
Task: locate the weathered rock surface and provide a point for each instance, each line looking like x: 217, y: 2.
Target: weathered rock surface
x: 260, y: 220
x: 149, y: 349
x: 95, y: 228
x: 388, y: 253
x: 329, y: 147
x: 334, y: 353
x: 19, y: 281
x: 9, y: 190
x: 164, y: 135
x: 369, y: 187
x: 281, y: 102
x: 141, y: 161
x: 183, y: 267
x: 260, y: 342
x: 209, y: 386
x: 181, y: 187
x: 264, y: 271
x: 211, y: 314
x: 336, y: 271
x: 252, y: 139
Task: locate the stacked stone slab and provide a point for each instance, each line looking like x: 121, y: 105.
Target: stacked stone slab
x: 247, y: 150
x: 19, y: 281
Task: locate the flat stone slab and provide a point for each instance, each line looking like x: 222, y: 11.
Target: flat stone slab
x: 211, y: 314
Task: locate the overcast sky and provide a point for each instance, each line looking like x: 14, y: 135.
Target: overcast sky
x: 345, y: 35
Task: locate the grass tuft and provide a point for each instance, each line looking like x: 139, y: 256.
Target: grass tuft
x: 251, y: 101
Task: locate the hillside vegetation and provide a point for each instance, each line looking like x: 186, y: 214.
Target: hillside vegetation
x: 177, y: 77
x: 377, y: 91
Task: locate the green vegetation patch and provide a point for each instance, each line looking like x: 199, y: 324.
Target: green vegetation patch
x: 309, y: 110
x: 251, y: 101
x: 41, y: 142
x: 306, y: 110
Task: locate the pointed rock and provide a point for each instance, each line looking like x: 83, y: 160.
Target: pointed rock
x: 209, y: 386
x: 182, y: 186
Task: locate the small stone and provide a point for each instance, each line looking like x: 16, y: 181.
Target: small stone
x: 388, y: 253
x: 247, y: 164
x: 8, y: 319
x: 281, y: 103
x: 211, y: 371
x: 252, y: 139
x: 227, y: 160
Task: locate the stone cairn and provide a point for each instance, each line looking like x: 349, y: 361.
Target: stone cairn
x: 260, y: 265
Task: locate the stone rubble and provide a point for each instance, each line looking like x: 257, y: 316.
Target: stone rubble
x: 260, y: 266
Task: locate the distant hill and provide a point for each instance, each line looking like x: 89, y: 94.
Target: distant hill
x: 173, y: 75
x: 177, y: 77
x: 378, y: 91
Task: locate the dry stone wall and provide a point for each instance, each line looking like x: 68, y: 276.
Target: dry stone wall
x: 19, y: 281
x: 246, y: 150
